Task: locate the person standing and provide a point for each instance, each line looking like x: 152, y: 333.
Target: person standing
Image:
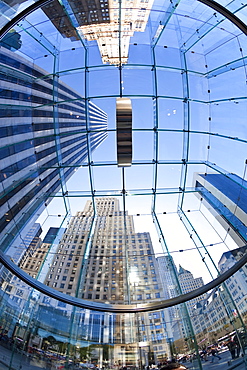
x: 232, y: 348
x: 237, y: 345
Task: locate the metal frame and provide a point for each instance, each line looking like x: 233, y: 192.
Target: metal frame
x: 73, y: 301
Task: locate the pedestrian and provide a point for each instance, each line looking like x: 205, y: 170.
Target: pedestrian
x: 237, y: 344
x: 214, y: 354
x: 232, y: 348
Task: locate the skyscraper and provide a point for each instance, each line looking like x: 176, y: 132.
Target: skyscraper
x: 97, y: 266
x: 225, y: 195
x: 189, y: 283
x: 104, y: 260
x: 35, y: 162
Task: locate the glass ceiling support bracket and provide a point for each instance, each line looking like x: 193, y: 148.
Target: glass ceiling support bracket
x: 185, y: 314
x: 88, y: 140
x: 57, y: 133
x: 88, y: 143
x: 226, y: 13
x: 163, y: 22
x: 198, y: 243
x: 241, y: 62
x: 209, y: 25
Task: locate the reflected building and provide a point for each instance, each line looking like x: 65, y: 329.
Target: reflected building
x: 109, y: 22
x: 28, y: 244
x: 34, y: 257
x: 34, y: 161
x: 225, y: 196
x: 211, y: 317
x: 113, y: 37
x: 237, y: 283
x: 11, y: 41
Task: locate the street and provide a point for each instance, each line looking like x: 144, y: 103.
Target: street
x: 225, y: 363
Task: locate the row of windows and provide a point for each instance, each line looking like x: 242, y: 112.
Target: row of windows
x: 29, y: 112
x: 12, y: 62
x: 24, y: 163
x: 39, y: 87
x: 21, y: 96
x: 29, y: 128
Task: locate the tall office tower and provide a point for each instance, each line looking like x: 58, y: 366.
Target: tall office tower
x: 226, y: 197
x: 117, y: 266
x: 43, y: 139
x: 104, y: 260
x: 189, y: 283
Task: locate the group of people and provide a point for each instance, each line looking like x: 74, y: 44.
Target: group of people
x: 232, y: 344
x: 210, y: 351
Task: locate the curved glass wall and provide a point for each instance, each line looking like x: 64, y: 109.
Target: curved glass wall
x: 123, y: 182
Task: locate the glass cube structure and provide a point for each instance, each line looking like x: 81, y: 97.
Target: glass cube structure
x: 123, y: 234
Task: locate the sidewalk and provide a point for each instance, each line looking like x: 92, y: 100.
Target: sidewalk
x: 18, y: 361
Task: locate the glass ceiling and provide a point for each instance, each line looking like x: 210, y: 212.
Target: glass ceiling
x: 183, y: 66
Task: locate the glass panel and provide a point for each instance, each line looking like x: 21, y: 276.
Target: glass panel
x: 103, y: 82
x: 137, y: 81
x: 170, y: 114
x: 169, y: 83
x: 169, y: 143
